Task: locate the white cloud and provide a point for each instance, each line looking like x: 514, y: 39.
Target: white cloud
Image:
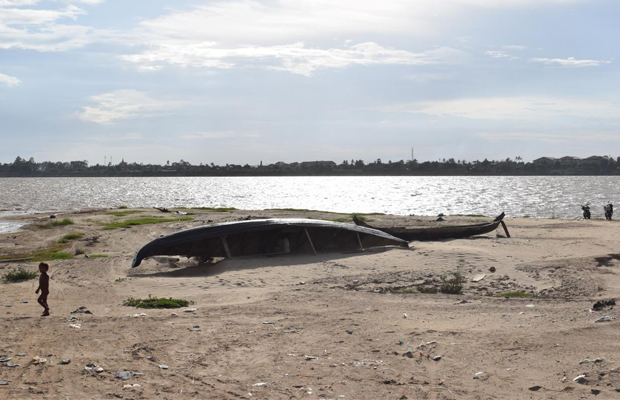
x: 571, y: 62
x: 295, y: 58
x: 125, y: 104
x: 512, y: 108
x: 500, y: 54
x: 9, y: 81
x: 118, y: 138
x: 516, y: 47
x: 547, y: 137
x: 429, y: 77
x: 220, y: 135
x: 17, y: 3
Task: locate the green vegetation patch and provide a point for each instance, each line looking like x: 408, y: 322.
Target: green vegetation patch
x: 123, y: 213
x: 216, y: 209
x: 453, y: 285
x: 55, y: 223
x: 155, y: 302
x: 518, y: 294
x: 53, y: 253
x: 98, y: 256
x: 427, y: 289
x: 20, y: 275
x: 70, y: 236
x: 143, y: 221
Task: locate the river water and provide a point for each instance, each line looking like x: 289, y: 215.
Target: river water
x: 537, y: 197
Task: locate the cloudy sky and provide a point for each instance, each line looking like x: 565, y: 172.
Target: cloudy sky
x: 294, y: 80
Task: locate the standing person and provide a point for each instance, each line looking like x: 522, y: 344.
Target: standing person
x: 44, y: 288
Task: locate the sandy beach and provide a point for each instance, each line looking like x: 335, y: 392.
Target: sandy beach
x: 332, y: 326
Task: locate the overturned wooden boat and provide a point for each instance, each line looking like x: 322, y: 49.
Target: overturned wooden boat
x: 440, y: 233
x: 267, y: 236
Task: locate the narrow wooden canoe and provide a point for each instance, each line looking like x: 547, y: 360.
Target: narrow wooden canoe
x: 267, y: 236
x: 439, y: 233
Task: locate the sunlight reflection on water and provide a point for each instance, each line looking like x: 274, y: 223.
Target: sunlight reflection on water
x: 517, y: 196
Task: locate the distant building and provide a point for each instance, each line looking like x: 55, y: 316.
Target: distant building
x: 545, y: 161
x: 569, y: 160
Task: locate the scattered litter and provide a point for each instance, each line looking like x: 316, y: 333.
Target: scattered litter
x: 150, y: 358
x: 535, y: 388
x: 580, y: 379
x: 163, y: 367
x: 5, y: 359
x: 308, y: 358
x: 195, y: 328
x: 11, y: 365
x: 81, y: 310
x: 21, y: 354
x: 302, y: 283
x: 601, y: 304
x: 594, y: 360
x: 124, y: 375
x: 9, y: 305
x: 436, y: 358
x: 260, y: 384
x: 492, y: 269
x: 38, y: 360
x: 350, y: 332
x: 4, y: 383
x: 400, y: 342
x: 404, y: 315
x: 521, y: 313
x: 269, y: 323
x: 75, y: 326
x: 423, y: 344
x: 131, y: 387
x: 93, y: 367
x: 481, y: 375
x: 73, y: 319
x: 606, y: 318
x: 24, y: 302
x: 190, y: 310
x: 137, y: 315
x: 409, y: 354
x: 461, y: 302
x: 64, y: 362
x: 478, y: 277
x: 596, y: 392
x: 530, y: 306
x: 292, y: 355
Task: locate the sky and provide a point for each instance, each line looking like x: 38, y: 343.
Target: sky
x: 245, y: 81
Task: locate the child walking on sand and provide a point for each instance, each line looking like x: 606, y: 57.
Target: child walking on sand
x: 44, y: 288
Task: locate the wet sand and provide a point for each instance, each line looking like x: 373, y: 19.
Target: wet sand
x: 338, y: 324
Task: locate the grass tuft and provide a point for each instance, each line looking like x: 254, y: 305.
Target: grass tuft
x: 55, y: 223
x: 452, y: 285
x: 427, y: 289
x: 143, y: 221
x: 518, y: 294
x: 79, y: 251
x: 98, y: 256
x: 155, y: 302
x: 53, y: 253
x: 20, y: 275
x: 70, y: 236
x: 216, y: 209
x: 123, y: 213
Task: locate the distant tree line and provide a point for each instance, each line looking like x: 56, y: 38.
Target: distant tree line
x: 545, y: 166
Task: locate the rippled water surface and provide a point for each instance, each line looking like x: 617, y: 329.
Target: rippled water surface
x: 517, y: 196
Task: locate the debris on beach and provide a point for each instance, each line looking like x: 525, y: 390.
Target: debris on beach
x: 131, y: 386
x: 478, y: 277
x: 437, y: 358
x: 64, y: 362
x: 136, y: 315
x: 594, y: 360
x: 260, y: 384
x: 75, y: 326
x: 195, y: 328
x: 603, y: 304
x: 409, y: 353
x: 492, y: 269
x: 124, y: 375
x: 481, y: 375
x: 535, y: 388
x: 93, y: 367
x: 38, y: 360
x: 308, y: 358
x: 190, y: 310
x: 606, y: 318
x: 11, y: 365
x: 5, y: 359
x: 81, y: 310
x: 4, y: 383
x: 163, y: 367
x: 269, y: 323
x: 580, y: 379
